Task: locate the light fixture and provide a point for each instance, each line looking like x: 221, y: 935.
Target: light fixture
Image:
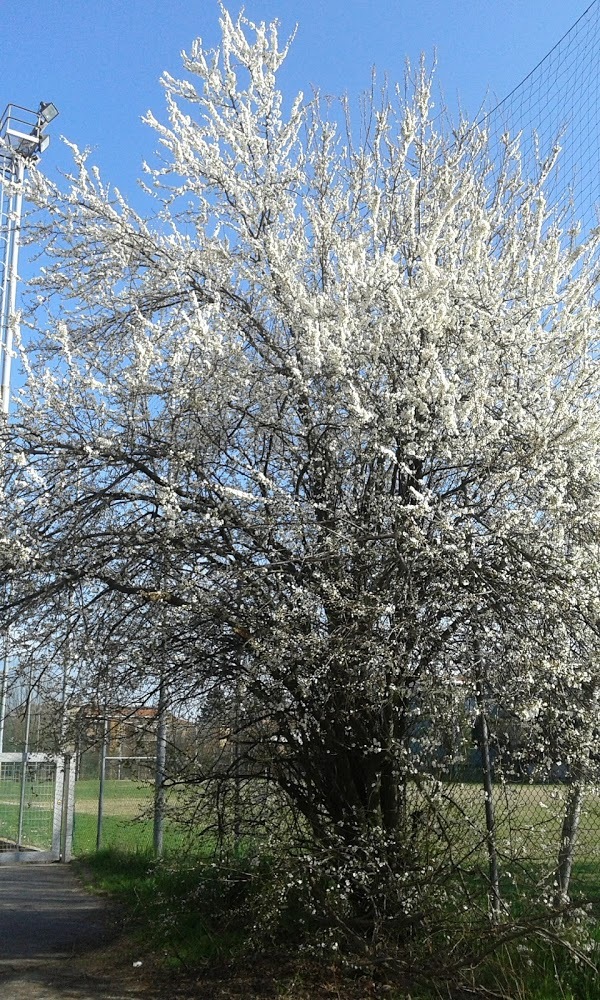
x: 47, y: 112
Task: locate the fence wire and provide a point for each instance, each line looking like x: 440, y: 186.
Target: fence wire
x: 558, y: 104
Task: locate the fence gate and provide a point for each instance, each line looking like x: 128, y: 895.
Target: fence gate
x: 36, y: 807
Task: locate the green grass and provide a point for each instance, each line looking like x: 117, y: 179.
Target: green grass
x: 116, y: 833
x: 536, y: 970
x: 127, y: 816
x: 528, y: 819
x: 114, y: 790
x: 36, y: 830
x: 124, y: 802
x: 195, y: 911
x: 199, y: 914
x: 37, y: 813
x: 191, y: 913
x: 127, y: 823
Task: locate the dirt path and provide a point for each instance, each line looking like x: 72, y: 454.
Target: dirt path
x: 58, y: 983
x: 52, y: 936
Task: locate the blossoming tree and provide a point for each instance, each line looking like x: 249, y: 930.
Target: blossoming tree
x: 326, y: 423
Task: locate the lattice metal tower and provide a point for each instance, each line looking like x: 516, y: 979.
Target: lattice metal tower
x: 22, y: 141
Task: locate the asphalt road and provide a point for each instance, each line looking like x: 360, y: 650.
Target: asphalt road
x: 48, y: 923
x: 45, y: 914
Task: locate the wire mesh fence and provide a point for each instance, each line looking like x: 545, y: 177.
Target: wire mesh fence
x: 529, y: 835
x: 116, y: 812
x: 27, y: 793
x: 558, y: 106
x: 542, y: 822
x: 35, y: 807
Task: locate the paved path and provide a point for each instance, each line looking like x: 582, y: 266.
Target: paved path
x: 47, y: 924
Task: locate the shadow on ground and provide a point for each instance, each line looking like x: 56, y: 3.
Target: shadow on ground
x: 50, y: 930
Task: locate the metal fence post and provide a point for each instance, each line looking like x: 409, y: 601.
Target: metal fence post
x: 24, y: 769
x: 68, y: 801
x: 160, y: 794
x: 488, y: 785
x: 4, y: 688
x: 103, y: 752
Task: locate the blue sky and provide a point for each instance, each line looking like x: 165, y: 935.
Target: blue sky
x: 100, y: 61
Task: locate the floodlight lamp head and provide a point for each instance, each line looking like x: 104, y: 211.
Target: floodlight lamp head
x: 47, y: 112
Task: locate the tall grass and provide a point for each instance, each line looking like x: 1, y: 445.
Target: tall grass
x: 197, y: 913
x: 191, y: 911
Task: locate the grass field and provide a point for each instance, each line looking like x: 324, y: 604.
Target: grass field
x: 528, y: 819
x: 127, y: 816
x: 127, y: 823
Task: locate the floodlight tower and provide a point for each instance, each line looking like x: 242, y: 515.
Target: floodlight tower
x: 22, y: 141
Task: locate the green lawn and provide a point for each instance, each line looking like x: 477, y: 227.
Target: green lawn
x: 127, y: 823
x: 127, y: 816
x: 528, y: 821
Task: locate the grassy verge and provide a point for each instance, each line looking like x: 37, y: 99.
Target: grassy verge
x: 189, y: 914
x: 196, y: 919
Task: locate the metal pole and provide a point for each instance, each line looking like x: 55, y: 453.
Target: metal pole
x: 3, y: 689
x: 488, y: 785
x: 160, y: 792
x: 12, y: 325
x: 103, y: 755
x: 24, y: 769
x: 68, y: 794
x: 17, y: 150
x: 11, y: 227
x: 7, y: 221
x: 65, y: 677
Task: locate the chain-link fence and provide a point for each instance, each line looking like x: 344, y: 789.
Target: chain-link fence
x: 533, y: 835
x: 508, y: 823
x: 543, y: 832
x: 123, y: 799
